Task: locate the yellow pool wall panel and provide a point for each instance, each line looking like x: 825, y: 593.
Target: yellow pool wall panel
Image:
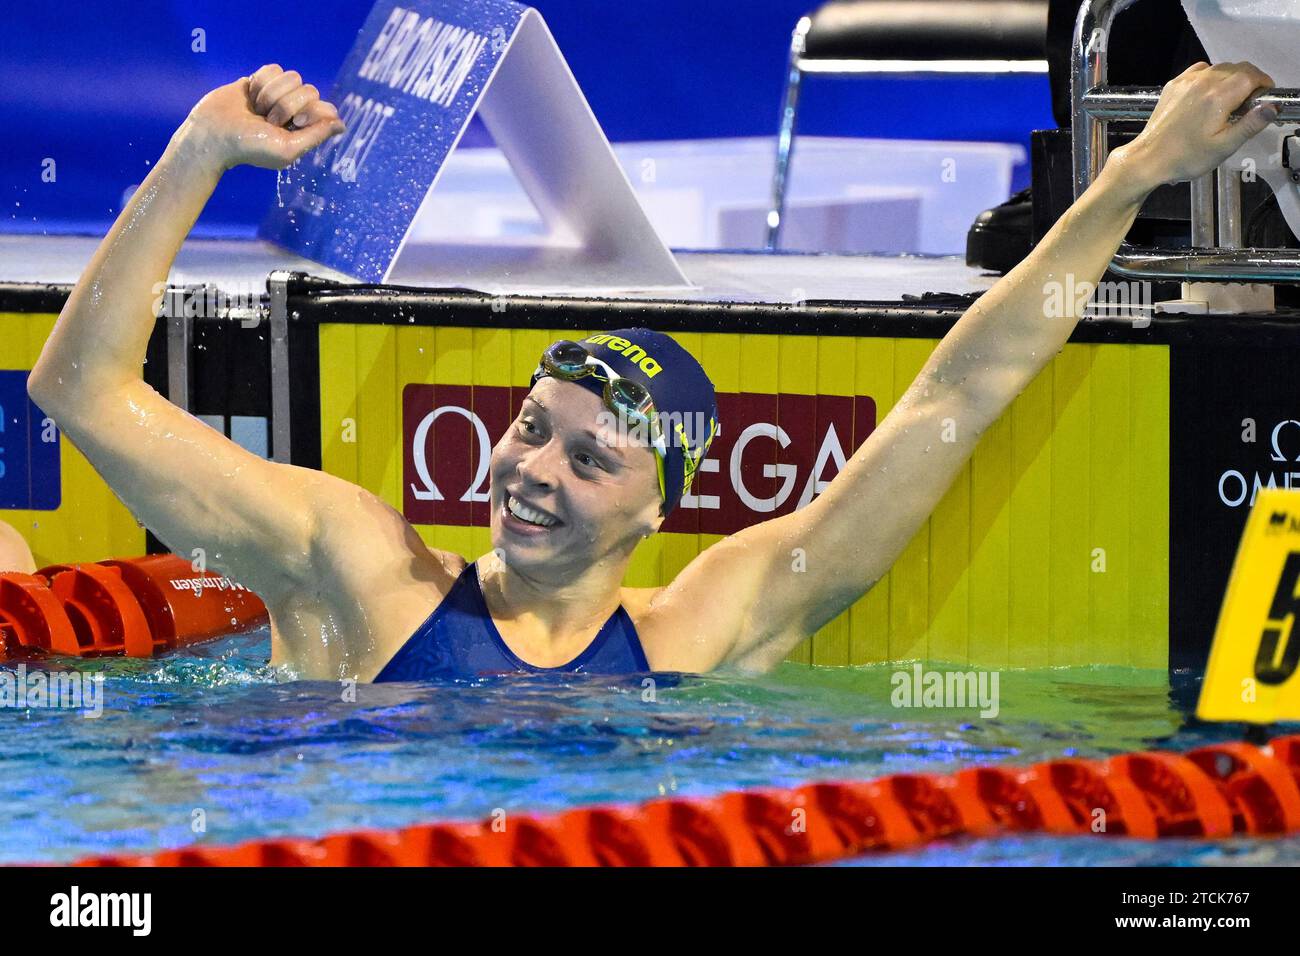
x: 1051, y: 547
x: 90, y: 524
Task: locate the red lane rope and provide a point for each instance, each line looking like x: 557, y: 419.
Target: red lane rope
x: 133, y: 607
x: 1215, y: 791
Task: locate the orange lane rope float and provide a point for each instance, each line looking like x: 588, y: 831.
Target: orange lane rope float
x: 134, y: 607
x: 1215, y: 791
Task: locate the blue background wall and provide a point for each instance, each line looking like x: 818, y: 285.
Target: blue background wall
x: 99, y: 86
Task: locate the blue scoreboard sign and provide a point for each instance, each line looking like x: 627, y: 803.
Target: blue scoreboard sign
x: 29, y: 450
x: 406, y: 92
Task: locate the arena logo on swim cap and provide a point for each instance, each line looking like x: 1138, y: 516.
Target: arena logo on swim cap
x: 634, y: 353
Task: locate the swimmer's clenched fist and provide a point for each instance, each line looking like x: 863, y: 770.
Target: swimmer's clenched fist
x: 269, y: 120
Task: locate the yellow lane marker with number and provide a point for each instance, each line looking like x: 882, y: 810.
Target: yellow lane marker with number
x: 1254, y: 669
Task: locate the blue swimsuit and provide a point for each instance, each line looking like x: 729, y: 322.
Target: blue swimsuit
x: 459, y: 639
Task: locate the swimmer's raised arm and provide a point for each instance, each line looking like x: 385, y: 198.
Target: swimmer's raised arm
x: 185, y: 481
x: 850, y: 536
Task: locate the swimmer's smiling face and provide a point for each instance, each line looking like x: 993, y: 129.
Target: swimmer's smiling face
x: 567, y: 487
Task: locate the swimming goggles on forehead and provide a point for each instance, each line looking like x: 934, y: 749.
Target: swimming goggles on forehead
x: 627, y: 397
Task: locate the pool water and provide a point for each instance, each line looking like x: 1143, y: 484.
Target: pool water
x: 215, y: 741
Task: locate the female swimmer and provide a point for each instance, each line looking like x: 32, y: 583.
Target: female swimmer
x: 354, y: 592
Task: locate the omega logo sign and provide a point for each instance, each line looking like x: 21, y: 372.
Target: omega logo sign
x: 426, y: 490
x: 1237, y: 490
x: 773, y: 454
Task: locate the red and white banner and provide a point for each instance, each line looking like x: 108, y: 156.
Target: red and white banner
x: 774, y: 454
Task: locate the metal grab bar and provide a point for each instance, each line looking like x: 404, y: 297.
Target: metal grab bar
x: 1093, y: 105
x: 1138, y: 102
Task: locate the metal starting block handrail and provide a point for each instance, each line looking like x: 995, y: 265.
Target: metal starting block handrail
x: 1094, y: 104
x: 1138, y: 102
